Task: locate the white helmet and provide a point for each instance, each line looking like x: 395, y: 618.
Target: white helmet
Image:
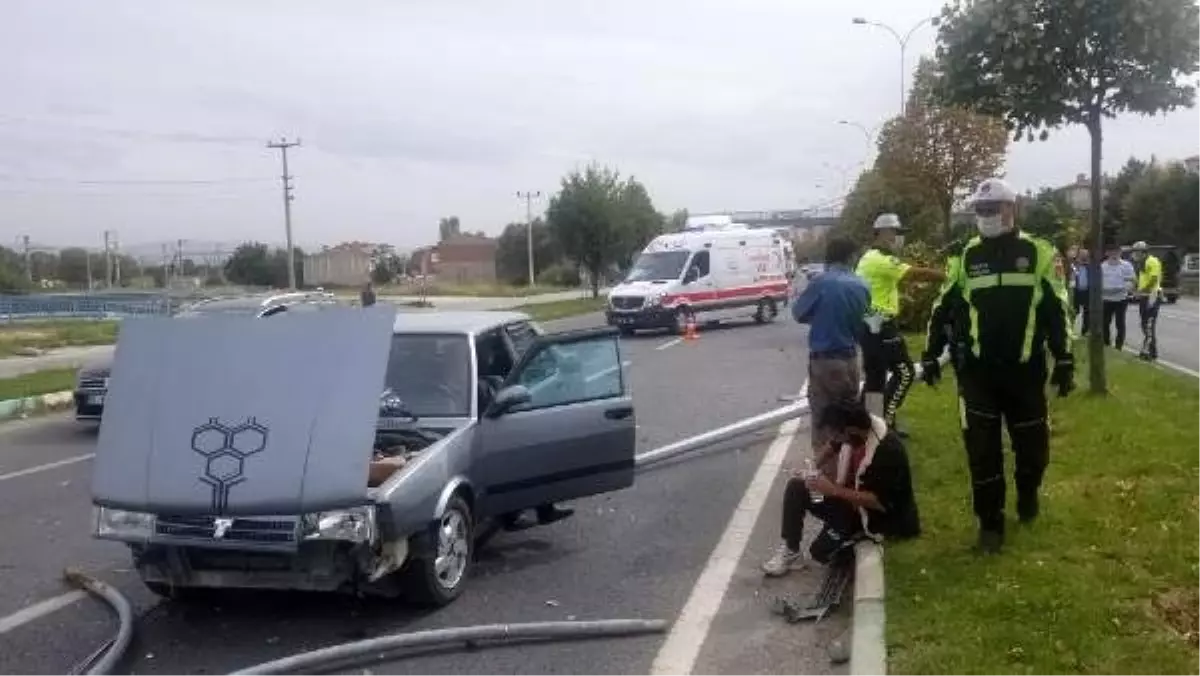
x: 1139, y: 246
x: 994, y: 190
x: 888, y: 222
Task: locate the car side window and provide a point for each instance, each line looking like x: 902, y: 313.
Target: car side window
x: 700, y: 261
x: 572, y: 373
x: 522, y: 335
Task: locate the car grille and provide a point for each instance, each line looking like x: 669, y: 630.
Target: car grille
x: 92, y: 383
x: 627, y: 302
x: 266, y: 531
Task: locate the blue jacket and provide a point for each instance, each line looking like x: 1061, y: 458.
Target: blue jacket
x: 833, y: 305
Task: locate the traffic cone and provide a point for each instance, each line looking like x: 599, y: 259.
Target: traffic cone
x: 689, y: 331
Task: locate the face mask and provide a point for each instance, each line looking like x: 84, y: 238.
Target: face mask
x: 991, y: 226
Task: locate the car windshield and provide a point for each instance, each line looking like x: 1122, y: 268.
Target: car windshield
x: 657, y: 266
x: 431, y: 374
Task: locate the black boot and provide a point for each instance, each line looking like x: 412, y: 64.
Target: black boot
x: 1027, y: 506
x: 991, y: 536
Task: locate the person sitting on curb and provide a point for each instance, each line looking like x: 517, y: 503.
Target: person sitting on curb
x: 872, y: 496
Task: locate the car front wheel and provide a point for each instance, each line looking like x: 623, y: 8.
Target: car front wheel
x: 438, y: 578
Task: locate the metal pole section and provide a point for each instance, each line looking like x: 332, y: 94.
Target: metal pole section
x: 28, y: 260
x: 107, y: 262
x: 529, y: 197
x: 723, y: 434
x: 903, y: 41
x: 283, y: 144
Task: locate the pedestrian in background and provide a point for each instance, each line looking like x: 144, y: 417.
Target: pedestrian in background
x: 1117, y: 280
x: 1079, y: 270
x: 832, y: 304
x: 888, y: 368
x: 1149, y: 297
x: 367, y: 295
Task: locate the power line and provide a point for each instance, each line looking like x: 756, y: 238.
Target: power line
x: 134, y: 181
x: 282, y: 145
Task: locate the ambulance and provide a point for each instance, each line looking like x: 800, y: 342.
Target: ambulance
x: 709, y: 272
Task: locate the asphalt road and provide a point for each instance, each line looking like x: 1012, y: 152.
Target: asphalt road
x: 658, y: 550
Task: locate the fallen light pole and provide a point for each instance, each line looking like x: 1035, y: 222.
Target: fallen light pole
x: 723, y: 434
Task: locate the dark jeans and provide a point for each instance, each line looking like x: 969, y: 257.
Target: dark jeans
x: 887, y: 368
x: 1148, y: 313
x: 1081, y: 309
x: 992, y: 398
x: 1114, y: 313
x: 797, y: 502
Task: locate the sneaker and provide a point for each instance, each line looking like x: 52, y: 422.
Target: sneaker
x: 784, y: 561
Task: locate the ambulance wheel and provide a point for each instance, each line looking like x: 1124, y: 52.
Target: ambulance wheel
x: 437, y: 578
x: 682, y: 315
x: 767, y: 311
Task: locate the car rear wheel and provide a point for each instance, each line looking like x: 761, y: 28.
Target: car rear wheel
x: 438, y: 578
x: 767, y: 311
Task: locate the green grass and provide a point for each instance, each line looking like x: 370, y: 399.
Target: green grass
x: 560, y: 309
x: 476, y: 290
x: 51, y: 334
x: 38, y: 382
x: 1103, y: 582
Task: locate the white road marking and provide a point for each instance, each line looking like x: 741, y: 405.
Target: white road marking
x: 47, y: 466
x: 37, y: 610
x: 670, y: 343
x: 679, y: 652
x: 1171, y: 365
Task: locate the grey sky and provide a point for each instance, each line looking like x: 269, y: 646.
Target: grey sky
x: 414, y: 109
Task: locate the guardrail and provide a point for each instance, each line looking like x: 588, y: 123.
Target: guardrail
x: 84, y: 306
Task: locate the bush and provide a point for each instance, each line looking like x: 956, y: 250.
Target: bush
x: 916, y: 298
x: 559, y: 274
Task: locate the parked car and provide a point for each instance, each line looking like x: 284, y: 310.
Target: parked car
x: 481, y: 415
x: 91, y: 382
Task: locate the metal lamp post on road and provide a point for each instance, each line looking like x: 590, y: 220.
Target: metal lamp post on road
x: 932, y: 21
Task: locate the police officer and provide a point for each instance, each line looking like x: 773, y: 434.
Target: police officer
x: 954, y: 334
x: 883, y: 348
x: 1149, y: 297
x: 1012, y: 307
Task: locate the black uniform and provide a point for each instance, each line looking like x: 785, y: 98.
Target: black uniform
x: 1008, y: 306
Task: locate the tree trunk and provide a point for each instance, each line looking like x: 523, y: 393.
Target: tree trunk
x: 1097, y: 377
x: 594, y: 273
x: 948, y: 216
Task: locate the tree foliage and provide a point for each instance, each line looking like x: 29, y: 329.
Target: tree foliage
x: 1163, y: 207
x: 1113, y: 215
x: 874, y: 194
x: 512, y: 252
x: 939, y: 151
x: 1041, y: 64
x: 1050, y: 216
x: 254, y: 264
x: 601, y: 220
x: 448, y: 227
x: 676, y: 221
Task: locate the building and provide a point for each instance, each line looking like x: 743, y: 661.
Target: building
x: 1079, y: 193
x: 1192, y: 164
x: 346, y: 264
x: 458, y: 259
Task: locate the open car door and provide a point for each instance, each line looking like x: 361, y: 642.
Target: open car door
x: 561, y: 427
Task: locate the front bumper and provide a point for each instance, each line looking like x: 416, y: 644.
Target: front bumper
x: 89, y: 404
x: 656, y: 317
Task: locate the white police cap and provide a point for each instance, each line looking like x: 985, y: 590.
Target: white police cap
x: 994, y: 190
x: 888, y: 222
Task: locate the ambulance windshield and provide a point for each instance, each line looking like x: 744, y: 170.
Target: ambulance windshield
x: 659, y: 266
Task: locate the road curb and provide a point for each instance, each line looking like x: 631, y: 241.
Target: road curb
x: 868, y: 651
x: 51, y: 401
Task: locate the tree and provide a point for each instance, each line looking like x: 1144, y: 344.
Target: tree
x: 1050, y: 216
x: 939, y: 151
x: 676, y: 221
x: 873, y: 195
x: 1162, y: 207
x: 512, y: 251
x: 448, y: 227
x: 640, y: 222
x: 1113, y: 216
x: 1041, y: 64
x: 596, y: 218
x: 251, y: 265
x: 73, y: 266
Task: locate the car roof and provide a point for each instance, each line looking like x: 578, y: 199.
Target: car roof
x: 455, y: 321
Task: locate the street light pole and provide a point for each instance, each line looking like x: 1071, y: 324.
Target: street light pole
x: 903, y: 41
x: 529, y: 197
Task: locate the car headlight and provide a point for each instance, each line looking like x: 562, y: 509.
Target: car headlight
x: 356, y: 524
x: 653, y: 301
x: 120, y: 524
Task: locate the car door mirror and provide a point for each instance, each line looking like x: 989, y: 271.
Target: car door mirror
x: 508, y: 399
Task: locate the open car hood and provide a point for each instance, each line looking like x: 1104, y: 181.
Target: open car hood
x: 235, y: 416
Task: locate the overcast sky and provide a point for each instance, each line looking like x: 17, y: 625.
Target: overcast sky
x: 414, y: 109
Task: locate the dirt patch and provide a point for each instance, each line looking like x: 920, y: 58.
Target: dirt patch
x: 18, y: 335
x: 1179, y: 608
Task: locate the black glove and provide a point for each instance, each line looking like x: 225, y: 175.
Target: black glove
x: 1063, y: 376
x: 931, y: 371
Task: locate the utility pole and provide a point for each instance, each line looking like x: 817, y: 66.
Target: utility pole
x: 282, y: 145
x: 116, y: 259
x: 107, y: 260
x: 28, y: 260
x: 529, y: 197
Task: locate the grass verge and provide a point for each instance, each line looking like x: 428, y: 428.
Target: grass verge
x: 1104, y: 581
x: 37, y: 382
x: 50, y: 334
x: 474, y: 290
x: 560, y: 309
